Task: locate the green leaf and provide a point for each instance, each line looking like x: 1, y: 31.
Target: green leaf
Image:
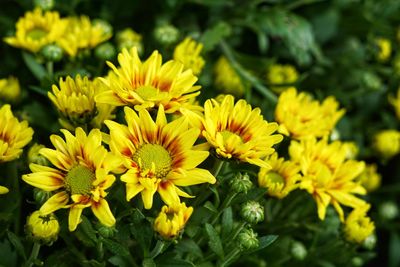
x: 175, y: 263
x: 214, y: 35
x: 264, y: 242
x: 214, y: 241
x: 142, y: 230
x: 148, y: 263
x: 15, y: 240
x: 394, y: 248
x: 87, y: 228
x: 8, y: 257
x: 227, y: 221
x: 189, y: 246
x: 116, y: 248
x: 37, y: 69
x: 208, y: 205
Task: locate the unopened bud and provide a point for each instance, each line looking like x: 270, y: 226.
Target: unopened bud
x: 357, y: 262
x: 52, y: 52
x: 44, y: 4
x: 35, y: 157
x: 241, y: 183
x: 105, y: 231
x: 252, y: 212
x: 298, y: 250
x: 388, y: 210
x: 166, y: 34
x: 42, y: 228
x: 248, y: 239
x: 370, y: 242
x: 40, y: 196
x: 105, y: 51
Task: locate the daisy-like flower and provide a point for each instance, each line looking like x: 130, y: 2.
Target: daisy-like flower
x: 327, y: 175
x: 280, y: 75
x: 80, y: 176
x: 172, y: 219
x: 10, y: 89
x: 74, y: 99
x: 37, y: 29
x: 188, y: 53
x: 387, y: 143
x: 300, y: 116
x: 281, y: 178
x: 236, y: 131
x: 148, y: 84
x: 226, y: 78
x: 82, y: 33
x: 358, y: 226
x: 159, y: 156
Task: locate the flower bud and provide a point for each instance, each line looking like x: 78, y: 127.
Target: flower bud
x: 370, y: 242
x: 105, y: 27
x: 252, y: 212
x: 42, y: 228
x: 105, y: 51
x: 241, y: 183
x: 298, y: 250
x: 105, y: 231
x: 35, y: 157
x: 40, y: 196
x: 357, y: 262
x: 128, y: 38
x: 52, y: 52
x: 166, y: 34
x: 388, y: 210
x: 44, y: 4
x: 387, y: 143
x: 10, y: 90
x: 247, y: 239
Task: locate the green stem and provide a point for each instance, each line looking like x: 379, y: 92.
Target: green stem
x: 160, y: 247
x: 230, y: 257
x: 50, y: 69
x: 34, y: 254
x: 12, y: 171
x: 218, y: 167
x: 232, y: 237
x: 227, y: 202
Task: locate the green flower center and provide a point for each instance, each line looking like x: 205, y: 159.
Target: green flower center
x: 37, y: 33
x: 228, y: 134
x: 153, y: 158
x: 79, y: 180
x: 275, y: 178
x: 147, y: 92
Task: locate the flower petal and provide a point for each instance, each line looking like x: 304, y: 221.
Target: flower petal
x: 102, y: 211
x: 57, y: 201
x: 74, y: 217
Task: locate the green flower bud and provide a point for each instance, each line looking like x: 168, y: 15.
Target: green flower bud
x: 166, y: 34
x: 370, y: 242
x: 298, y: 250
x: 52, y: 52
x: 357, y: 261
x: 44, y: 4
x: 35, y: 157
x: 388, y: 210
x: 247, y: 239
x: 371, y: 80
x: 104, y: 25
x: 241, y: 183
x: 252, y: 212
x: 105, y: 231
x: 40, y: 196
x: 105, y: 51
x: 42, y: 228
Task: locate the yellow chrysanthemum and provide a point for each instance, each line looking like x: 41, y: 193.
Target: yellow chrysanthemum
x: 358, y: 225
x: 79, y: 178
x: 387, y: 143
x: 281, y: 178
x: 82, y: 33
x: 327, y: 175
x: 226, y: 78
x: 237, y: 131
x: 172, y: 219
x: 74, y: 99
x: 188, y: 53
x: 14, y: 135
x: 384, y: 49
x: 395, y: 102
x: 37, y: 29
x: 280, y: 75
x: 370, y: 178
x: 300, y: 116
x: 128, y: 38
x: 159, y: 156
x: 148, y: 84
x: 10, y: 89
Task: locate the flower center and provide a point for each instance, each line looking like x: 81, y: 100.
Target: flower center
x: 275, y: 178
x: 228, y: 134
x: 147, y: 91
x: 37, y: 33
x: 79, y: 180
x: 153, y: 159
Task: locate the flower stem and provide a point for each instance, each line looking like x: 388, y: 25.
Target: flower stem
x: 231, y: 256
x: 227, y: 202
x: 218, y: 167
x: 50, y: 69
x: 34, y: 254
x: 160, y: 246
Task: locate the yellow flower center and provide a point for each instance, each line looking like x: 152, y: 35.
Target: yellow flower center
x: 153, y: 158
x: 37, y: 33
x: 228, y: 134
x: 275, y: 178
x: 79, y: 180
x: 147, y: 91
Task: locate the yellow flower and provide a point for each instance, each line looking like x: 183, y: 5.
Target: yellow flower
x: 3, y: 190
x: 280, y: 75
x: 188, y: 53
x: 14, y: 135
x: 226, y: 78
x: 237, y: 131
x: 10, y: 89
x: 82, y: 33
x: 281, y: 179
x: 159, y: 156
x: 36, y: 30
x: 395, y: 102
x: 370, y: 178
x: 80, y: 176
x: 128, y: 38
x: 74, y: 99
x: 327, y: 175
x: 358, y: 225
x: 172, y: 219
x: 387, y: 143
x: 148, y: 84
x: 43, y: 228
x: 351, y: 149
x: 384, y: 49
x: 300, y: 116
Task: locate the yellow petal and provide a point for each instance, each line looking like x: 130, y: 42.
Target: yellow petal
x: 3, y: 190
x: 102, y: 211
x: 57, y: 201
x: 192, y: 177
x: 74, y: 217
x: 168, y: 193
x: 47, y: 181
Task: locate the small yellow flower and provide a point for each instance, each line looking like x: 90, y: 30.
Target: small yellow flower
x: 42, y: 228
x: 158, y: 156
x: 281, y: 179
x: 387, y: 143
x: 384, y: 49
x: 281, y: 77
x: 3, y: 190
x: 236, y: 131
x: 9, y: 89
x: 82, y: 33
x: 172, y: 219
x: 370, y: 178
x: 127, y: 38
x: 37, y: 29
x: 358, y: 225
x: 226, y: 78
x: 74, y: 99
x: 328, y: 175
x: 395, y: 102
x: 14, y: 135
x: 148, y: 84
x: 351, y: 150
x: 300, y: 116
x: 79, y: 178
x: 188, y: 53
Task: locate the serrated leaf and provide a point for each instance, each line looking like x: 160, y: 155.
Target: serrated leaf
x: 227, y: 221
x: 37, y: 69
x: 116, y: 248
x: 16, y: 242
x: 214, y: 241
x: 214, y: 35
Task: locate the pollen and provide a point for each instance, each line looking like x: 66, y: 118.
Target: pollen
x: 153, y: 158
x: 79, y: 180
